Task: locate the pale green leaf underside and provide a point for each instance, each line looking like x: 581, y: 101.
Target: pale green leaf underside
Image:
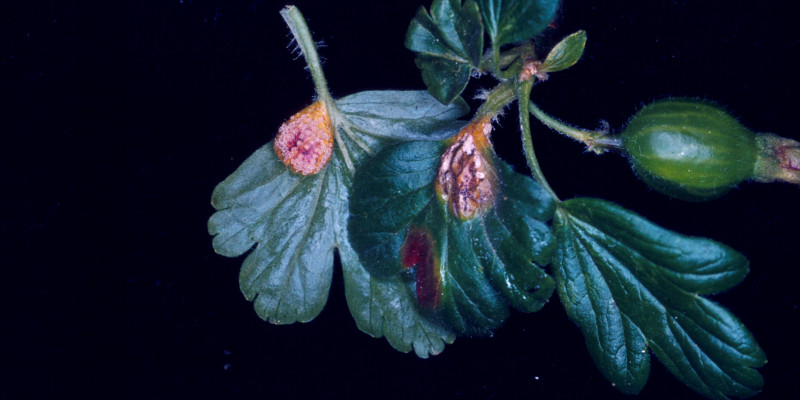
x: 403, y: 115
x: 295, y: 222
x: 290, y: 216
x: 629, y: 283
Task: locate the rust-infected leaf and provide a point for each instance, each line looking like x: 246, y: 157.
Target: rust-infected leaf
x: 466, y: 180
x: 418, y: 251
x: 305, y: 141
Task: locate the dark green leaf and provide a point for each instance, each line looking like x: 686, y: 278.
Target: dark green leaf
x: 512, y: 21
x: 448, y: 43
x: 629, y: 283
x: 483, y: 264
x: 295, y: 222
x: 566, y: 53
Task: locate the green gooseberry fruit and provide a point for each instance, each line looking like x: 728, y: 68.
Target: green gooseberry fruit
x: 689, y: 149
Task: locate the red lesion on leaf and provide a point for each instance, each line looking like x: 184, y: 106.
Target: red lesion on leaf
x: 418, y: 251
x: 305, y: 141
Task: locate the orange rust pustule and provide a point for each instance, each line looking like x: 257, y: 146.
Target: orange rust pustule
x: 305, y: 141
x: 418, y: 251
x: 466, y: 180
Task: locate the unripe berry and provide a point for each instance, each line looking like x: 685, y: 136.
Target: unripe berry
x: 689, y: 149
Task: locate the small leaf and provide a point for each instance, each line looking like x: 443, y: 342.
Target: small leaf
x: 629, y: 283
x: 448, y: 43
x: 566, y: 53
x: 512, y: 21
x: 296, y: 221
x: 464, y: 273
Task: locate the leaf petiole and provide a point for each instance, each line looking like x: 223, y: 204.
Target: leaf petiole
x: 497, y: 99
x: 506, y: 64
x: 302, y: 36
x: 527, y: 141
x: 297, y: 24
x: 502, y: 95
x: 599, y: 141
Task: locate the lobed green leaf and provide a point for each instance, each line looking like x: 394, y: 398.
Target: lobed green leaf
x: 629, y: 283
x: 288, y: 274
x: 485, y: 263
x: 448, y: 42
x: 512, y: 21
x: 385, y: 308
x: 293, y: 223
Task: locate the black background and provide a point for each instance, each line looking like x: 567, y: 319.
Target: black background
x: 118, y: 122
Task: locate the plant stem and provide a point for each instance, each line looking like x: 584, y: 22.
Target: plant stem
x: 527, y: 140
x: 505, y: 59
x: 302, y: 36
x: 596, y: 141
x: 496, y: 58
x: 497, y: 99
x: 297, y: 24
x: 778, y: 159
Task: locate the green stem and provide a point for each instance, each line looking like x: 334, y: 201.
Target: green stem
x: 502, y: 95
x: 596, y: 141
x: 496, y: 58
x: 297, y: 24
x: 777, y: 160
x: 527, y: 140
x: 507, y: 64
x: 506, y: 58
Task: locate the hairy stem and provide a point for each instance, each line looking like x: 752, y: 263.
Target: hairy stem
x: 527, y: 140
x: 596, y: 141
x: 778, y: 159
x: 505, y: 59
x: 297, y: 24
x: 502, y: 95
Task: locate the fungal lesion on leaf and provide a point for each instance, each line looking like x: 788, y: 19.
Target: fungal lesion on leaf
x: 418, y: 252
x: 466, y: 180
x: 305, y: 142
